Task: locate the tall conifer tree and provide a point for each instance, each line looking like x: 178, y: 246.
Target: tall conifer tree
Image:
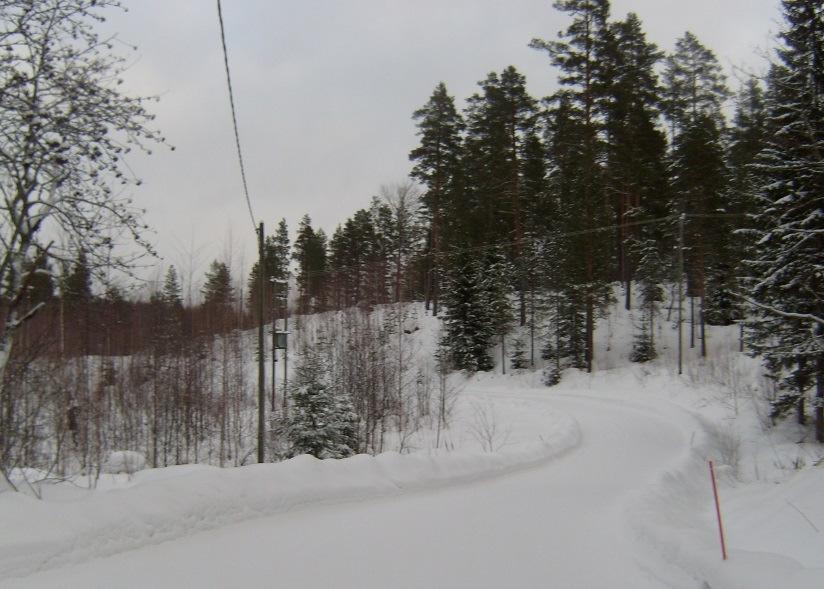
x: 579, y: 55
x: 789, y: 235
x: 438, y: 168
x: 636, y: 177
x: 694, y: 96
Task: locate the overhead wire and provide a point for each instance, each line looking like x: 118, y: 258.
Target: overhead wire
x: 234, y: 115
x: 494, y: 246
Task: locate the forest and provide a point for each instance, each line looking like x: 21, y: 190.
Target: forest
x: 645, y: 176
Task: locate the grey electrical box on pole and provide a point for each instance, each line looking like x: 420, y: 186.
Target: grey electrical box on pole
x: 280, y: 339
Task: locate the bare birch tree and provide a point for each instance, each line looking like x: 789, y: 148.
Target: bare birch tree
x: 65, y: 128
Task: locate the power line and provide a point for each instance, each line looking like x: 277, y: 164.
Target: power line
x: 495, y: 246
x: 500, y: 245
x: 234, y: 115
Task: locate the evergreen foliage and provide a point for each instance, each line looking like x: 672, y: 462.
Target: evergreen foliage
x: 581, y: 56
x: 438, y: 167
x: 218, y: 296
x: 320, y: 422
x: 276, y: 257
x: 310, y: 254
x: 694, y: 94
x: 77, y: 284
x: 518, y: 358
x: 636, y: 174
x: 787, y: 280
x: 694, y: 85
x: 467, y: 330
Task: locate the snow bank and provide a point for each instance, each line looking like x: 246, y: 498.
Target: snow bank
x: 772, y: 536
x: 169, y: 503
x: 123, y: 462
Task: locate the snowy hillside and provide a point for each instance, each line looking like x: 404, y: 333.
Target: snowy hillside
x: 613, y: 459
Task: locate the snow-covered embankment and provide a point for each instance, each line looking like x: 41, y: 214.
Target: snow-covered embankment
x: 164, y: 504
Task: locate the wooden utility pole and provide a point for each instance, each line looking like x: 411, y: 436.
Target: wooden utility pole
x: 261, y: 452
x: 285, y: 349
x: 680, y: 290
x: 274, y: 345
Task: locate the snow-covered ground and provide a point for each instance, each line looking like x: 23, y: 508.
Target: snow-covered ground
x: 601, y: 481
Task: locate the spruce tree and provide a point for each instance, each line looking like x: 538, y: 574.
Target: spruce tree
x: 786, y: 268
x: 494, y: 279
x: 77, y: 295
x: 650, y: 275
x: 218, y: 296
x: 517, y: 358
x: 320, y: 423
x: 467, y: 328
x: 169, y: 315
x: 77, y: 284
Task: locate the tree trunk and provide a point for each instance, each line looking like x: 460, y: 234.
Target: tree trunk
x: 703, y: 329
x: 590, y: 329
x: 819, y: 399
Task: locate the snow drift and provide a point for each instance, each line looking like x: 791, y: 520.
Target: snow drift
x: 169, y: 503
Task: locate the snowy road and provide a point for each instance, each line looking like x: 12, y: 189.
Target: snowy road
x: 561, y: 524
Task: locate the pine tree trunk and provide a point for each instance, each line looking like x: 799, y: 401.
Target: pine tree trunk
x: 819, y: 399
x: 692, y: 322
x: 801, y: 383
x: 703, y: 329
x: 590, y: 329
x: 503, y: 355
x: 627, y: 294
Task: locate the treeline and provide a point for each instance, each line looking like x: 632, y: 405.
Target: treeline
x: 527, y: 212
x: 631, y: 173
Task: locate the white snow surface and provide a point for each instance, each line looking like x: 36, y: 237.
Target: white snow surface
x: 601, y: 481
x: 159, y: 505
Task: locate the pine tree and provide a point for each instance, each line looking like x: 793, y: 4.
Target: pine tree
x: 438, y: 167
x: 359, y: 255
x: 501, y: 126
x: 699, y: 181
x: 747, y: 139
x: 579, y: 54
x: 276, y: 252
x: 310, y: 254
x: 694, y: 96
x: 786, y: 269
x: 636, y: 174
x: 694, y: 85
x: 561, y: 272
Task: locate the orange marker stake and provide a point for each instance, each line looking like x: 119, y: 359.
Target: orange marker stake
x: 718, y: 513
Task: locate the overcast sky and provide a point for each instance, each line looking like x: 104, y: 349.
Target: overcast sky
x: 325, y: 90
